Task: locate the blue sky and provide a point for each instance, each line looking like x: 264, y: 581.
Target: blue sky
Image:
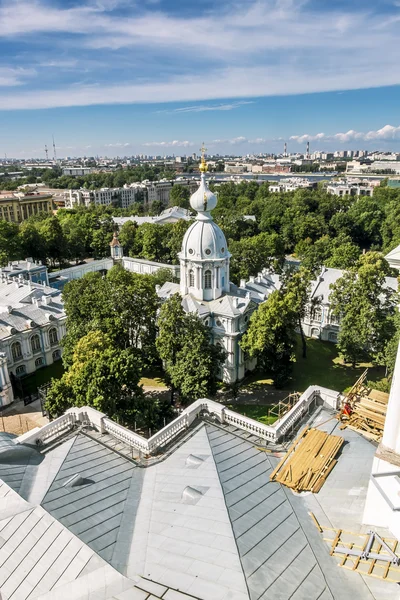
x: 119, y: 77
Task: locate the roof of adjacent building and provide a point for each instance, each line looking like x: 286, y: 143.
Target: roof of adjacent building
x: 321, y: 286
x: 82, y: 520
x: 24, y: 305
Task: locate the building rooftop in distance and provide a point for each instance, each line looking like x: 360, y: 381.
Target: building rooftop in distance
x: 81, y: 518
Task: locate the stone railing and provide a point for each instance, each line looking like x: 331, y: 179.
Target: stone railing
x: 91, y: 417
x: 49, y: 432
x: 125, y: 435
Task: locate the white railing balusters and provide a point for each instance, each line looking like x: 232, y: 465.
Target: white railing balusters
x: 270, y: 433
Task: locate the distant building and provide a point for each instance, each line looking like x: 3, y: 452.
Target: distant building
x: 344, y: 189
x: 121, y: 197
x: 19, y: 206
x: 292, y: 184
x: 169, y: 215
x: 77, y: 171
x: 31, y: 270
x: 319, y: 322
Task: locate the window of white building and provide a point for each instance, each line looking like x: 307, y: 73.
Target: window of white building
x: 317, y: 314
x: 207, y: 279
x: 53, y: 337
x: 56, y: 354
x: 20, y: 370
x: 332, y: 337
x: 16, y: 351
x: 39, y: 362
x: 191, y: 279
x: 35, y: 343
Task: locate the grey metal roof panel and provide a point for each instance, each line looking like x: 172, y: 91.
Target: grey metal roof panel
x: 93, y: 510
x: 280, y: 557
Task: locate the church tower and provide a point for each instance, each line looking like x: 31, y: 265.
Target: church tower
x: 204, y: 258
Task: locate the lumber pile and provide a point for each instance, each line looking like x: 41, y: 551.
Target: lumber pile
x: 308, y: 461
x: 364, y: 410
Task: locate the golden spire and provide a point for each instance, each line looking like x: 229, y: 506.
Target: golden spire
x: 203, y: 164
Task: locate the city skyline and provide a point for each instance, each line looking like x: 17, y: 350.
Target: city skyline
x: 156, y: 77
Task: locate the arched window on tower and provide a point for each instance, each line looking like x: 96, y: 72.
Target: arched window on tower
x: 191, y: 278
x: 207, y: 279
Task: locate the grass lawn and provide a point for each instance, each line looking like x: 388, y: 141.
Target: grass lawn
x: 321, y: 367
x: 256, y: 412
x: 34, y: 380
x: 154, y: 378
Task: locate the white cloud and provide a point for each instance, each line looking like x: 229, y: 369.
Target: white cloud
x: 172, y: 144
x: 307, y: 138
x: 117, y: 145
x: 388, y: 132
x: 242, y: 54
x: 206, y: 108
x: 12, y: 77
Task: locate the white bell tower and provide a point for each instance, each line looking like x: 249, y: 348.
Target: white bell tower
x: 204, y: 258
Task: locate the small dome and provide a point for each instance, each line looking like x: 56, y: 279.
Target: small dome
x: 204, y: 240
x: 203, y: 200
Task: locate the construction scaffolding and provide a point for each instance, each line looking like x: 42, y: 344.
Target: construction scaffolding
x: 364, y: 410
x: 366, y: 553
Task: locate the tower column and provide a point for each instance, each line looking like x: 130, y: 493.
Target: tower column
x: 391, y: 432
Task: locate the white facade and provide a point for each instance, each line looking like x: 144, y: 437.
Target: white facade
x: 123, y: 197
x: 382, y: 508
x: 350, y: 190
x: 77, y: 171
x: 32, y: 325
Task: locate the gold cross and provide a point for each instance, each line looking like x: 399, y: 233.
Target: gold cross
x: 203, y: 150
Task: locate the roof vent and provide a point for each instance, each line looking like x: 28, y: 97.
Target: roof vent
x: 191, y: 495
x: 193, y: 462
x: 74, y: 481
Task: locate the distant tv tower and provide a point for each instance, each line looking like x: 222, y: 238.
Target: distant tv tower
x: 46, y: 151
x: 308, y: 150
x: 285, y: 150
x: 54, y: 151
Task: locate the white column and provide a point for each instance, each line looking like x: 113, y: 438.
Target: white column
x: 391, y: 433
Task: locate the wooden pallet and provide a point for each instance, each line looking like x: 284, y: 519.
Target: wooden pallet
x: 368, y: 410
x: 308, y: 461
x: 381, y: 568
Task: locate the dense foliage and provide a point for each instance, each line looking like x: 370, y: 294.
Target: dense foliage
x: 367, y: 311
x: 191, y: 362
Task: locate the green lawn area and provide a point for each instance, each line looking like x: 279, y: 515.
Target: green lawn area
x: 321, y: 367
x: 259, y: 413
x: 153, y: 378
x: 32, y: 382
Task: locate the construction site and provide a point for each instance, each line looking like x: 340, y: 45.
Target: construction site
x: 213, y: 506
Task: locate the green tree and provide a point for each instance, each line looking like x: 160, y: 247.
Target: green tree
x: 252, y: 255
x: 179, y: 196
x: 296, y: 286
x: 54, y: 239
x: 32, y: 242
x: 10, y: 248
x: 191, y: 362
x: 127, y: 237
x: 101, y: 377
x: 271, y: 337
x: 366, y: 309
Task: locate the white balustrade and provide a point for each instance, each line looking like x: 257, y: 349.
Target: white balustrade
x: 126, y: 435
x: 98, y: 420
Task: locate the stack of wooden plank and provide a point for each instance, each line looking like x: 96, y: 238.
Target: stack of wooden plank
x: 308, y: 461
x: 368, y: 412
